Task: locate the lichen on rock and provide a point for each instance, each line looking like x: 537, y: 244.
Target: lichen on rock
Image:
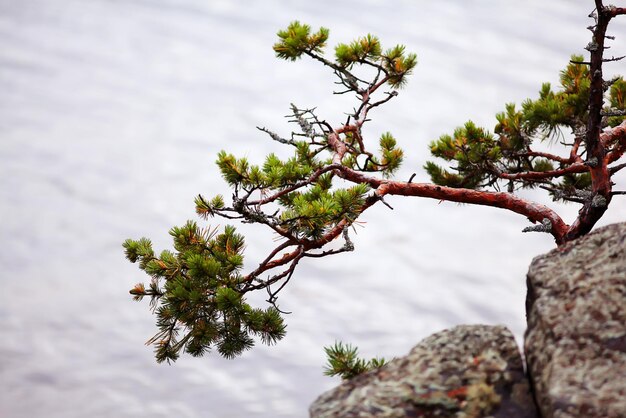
x: 469, y: 371
x: 575, y: 342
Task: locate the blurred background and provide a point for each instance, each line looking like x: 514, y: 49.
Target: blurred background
x: 111, y: 116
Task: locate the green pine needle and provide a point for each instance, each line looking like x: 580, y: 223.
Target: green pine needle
x: 343, y: 361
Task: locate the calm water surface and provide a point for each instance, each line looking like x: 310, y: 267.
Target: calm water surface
x: 111, y: 115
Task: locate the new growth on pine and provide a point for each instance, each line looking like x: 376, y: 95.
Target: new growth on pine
x: 198, y: 291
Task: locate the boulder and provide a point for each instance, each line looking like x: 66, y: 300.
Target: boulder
x: 575, y: 343
x: 467, y: 371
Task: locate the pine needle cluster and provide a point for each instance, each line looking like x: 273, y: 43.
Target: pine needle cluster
x: 196, y: 294
x: 508, y: 156
x: 343, y: 360
x: 297, y: 40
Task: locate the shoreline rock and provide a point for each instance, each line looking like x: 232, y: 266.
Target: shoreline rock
x: 467, y: 371
x: 575, y: 349
x: 575, y: 343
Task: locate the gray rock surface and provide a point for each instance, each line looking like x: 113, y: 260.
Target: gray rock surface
x: 575, y: 343
x: 467, y: 371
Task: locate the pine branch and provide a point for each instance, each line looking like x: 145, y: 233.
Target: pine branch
x: 593, y: 210
x: 549, y: 156
x: 312, y: 198
x: 617, y: 168
x: 541, y: 175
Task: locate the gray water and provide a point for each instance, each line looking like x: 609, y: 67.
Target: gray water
x: 111, y: 115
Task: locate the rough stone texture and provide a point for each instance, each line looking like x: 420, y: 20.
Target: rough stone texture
x: 467, y: 371
x: 576, y: 338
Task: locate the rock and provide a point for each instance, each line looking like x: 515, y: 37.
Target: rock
x: 575, y: 349
x: 467, y: 371
x: 575, y: 342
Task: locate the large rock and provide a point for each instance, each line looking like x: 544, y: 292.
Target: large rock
x: 468, y: 371
x: 576, y: 338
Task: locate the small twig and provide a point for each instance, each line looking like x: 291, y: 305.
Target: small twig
x: 613, y: 112
x: 538, y: 175
x: 544, y: 155
x: 348, y: 246
x: 382, y: 199
x: 276, y: 137
x: 545, y: 226
x: 613, y: 59
x: 287, y: 273
x: 390, y: 95
x: 272, y: 300
x: 615, y: 169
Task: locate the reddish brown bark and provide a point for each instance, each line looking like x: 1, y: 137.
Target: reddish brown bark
x: 594, y: 208
x: 533, y: 211
x: 540, y: 175
x: 571, y: 159
x: 614, y: 11
x: 617, y: 136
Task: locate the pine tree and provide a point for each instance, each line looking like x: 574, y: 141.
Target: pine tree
x: 198, y: 292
